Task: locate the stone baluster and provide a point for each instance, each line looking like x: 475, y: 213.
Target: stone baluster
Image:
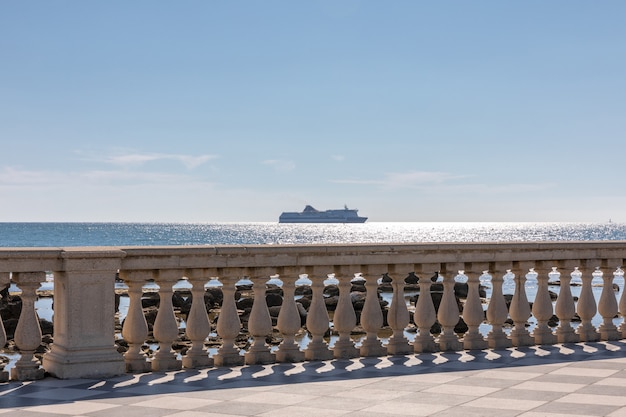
x: 565, y: 308
x: 317, y: 324
x: 228, y: 326
x: 424, y: 317
x: 607, y: 307
x: 372, y: 320
x: 448, y: 316
x: 198, y: 326
x: 520, y: 312
x: 289, y: 322
x: 497, y: 314
x: 165, y: 328
x: 473, y: 315
x: 259, y: 326
x: 543, y: 311
x: 586, y: 309
x: 622, y: 305
x: 4, y: 282
x: 398, y: 319
x: 135, y: 327
x: 344, y: 321
x: 28, y: 332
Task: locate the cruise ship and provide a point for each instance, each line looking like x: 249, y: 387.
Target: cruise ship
x: 312, y: 215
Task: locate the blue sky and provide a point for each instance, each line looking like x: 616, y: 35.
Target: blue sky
x: 212, y: 111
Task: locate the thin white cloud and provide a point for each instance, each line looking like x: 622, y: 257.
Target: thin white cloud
x: 190, y: 161
x: 15, y: 177
x: 280, y: 165
x: 409, y: 179
x: 131, y: 177
x: 443, y: 182
x: 338, y: 158
x: 11, y: 176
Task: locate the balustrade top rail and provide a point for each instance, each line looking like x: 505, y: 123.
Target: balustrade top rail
x: 608, y: 254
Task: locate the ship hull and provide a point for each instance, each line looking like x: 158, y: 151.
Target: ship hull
x: 311, y: 215
x: 318, y: 220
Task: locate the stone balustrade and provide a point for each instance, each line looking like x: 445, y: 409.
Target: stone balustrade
x: 84, y: 302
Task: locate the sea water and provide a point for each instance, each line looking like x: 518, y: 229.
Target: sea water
x: 272, y: 233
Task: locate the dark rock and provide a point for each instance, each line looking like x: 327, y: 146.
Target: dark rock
x: 9, y: 327
x: 304, y: 290
x: 554, y: 321
x: 435, y: 328
x: 331, y: 290
x: 245, y: 303
x: 274, y: 289
x: 358, y: 300
x: 215, y: 295
x: 182, y: 302
x: 411, y: 279
x: 274, y: 311
x: 273, y: 299
x: 305, y: 301
x: 303, y: 313
x: 244, y: 287
x: 150, y: 313
x: 461, y: 289
x: 482, y: 292
x: 150, y: 299
x: 331, y: 302
x: 47, y: 328
x: 386, y: 279
x: 461, y: 327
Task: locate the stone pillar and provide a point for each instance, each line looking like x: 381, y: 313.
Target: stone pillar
x: 135, y: 328
x: 228, y: 326
x: 542, y: 310
x: 586, y: 309
x: 424, y: 317
x: 4, y: 282
x: 372, y: 320
x: 520, y: 312
x: 448, y: 316
x: 260, y: 326
x: 473, y: 314
x: 317, y: 324
x: 565, y: 307
x: 344, y: 320
x: 497, y: 314
x: 398, y: 318
x: 84, y: 316
x: 607, y: 306
x: 198, y: 325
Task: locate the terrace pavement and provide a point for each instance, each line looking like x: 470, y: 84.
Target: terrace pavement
x: 585, y: 379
